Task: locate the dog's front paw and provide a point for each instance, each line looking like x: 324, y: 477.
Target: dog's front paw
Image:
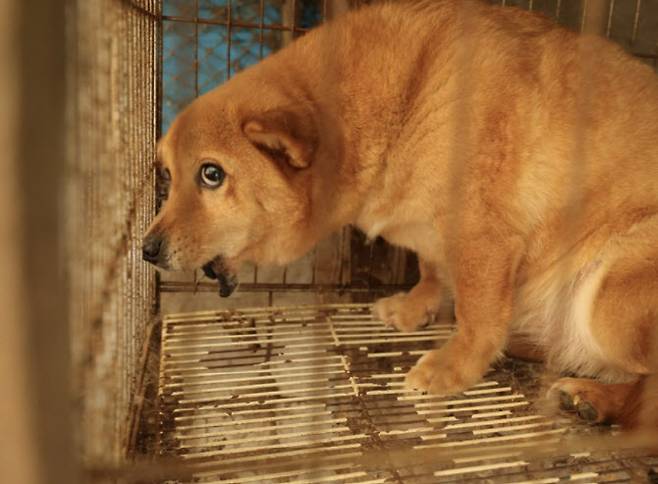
x: 439, y: 374
x: 433, y: 374
x: 402, y: 312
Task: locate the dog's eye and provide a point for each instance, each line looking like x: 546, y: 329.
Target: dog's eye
x: 211, y: 175
x: 163, y: 180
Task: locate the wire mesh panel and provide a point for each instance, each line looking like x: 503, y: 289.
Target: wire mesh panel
x: 113, y: 50
x: 207, y: 41
x: 315, y: 394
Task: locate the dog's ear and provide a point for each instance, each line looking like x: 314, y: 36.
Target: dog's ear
x: 284, y: 135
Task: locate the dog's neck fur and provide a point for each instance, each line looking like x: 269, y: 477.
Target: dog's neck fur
x: 356, y: 127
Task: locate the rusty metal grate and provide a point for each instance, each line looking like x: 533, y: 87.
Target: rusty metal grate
x: 301, y: 394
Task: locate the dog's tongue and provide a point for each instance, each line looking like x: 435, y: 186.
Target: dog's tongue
x: 227, y: 280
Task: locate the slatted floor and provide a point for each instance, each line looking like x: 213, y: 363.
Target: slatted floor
x: 315, y: 394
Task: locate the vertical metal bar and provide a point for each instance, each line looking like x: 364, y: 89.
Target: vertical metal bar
x: 261, y: 42
x: 371, y: 262
x: 196, y: 48
x: 158, y: 92
x: 228, y: 40
x: 594, y: 19
x: 611, y: 10
x: 558, y: 6
x: 294, y: 18
x: 461, y: 116
x: 314, y: 265
x: 530, y: 4
x: 636, y: 20
x: 583, y: 16
x: 195, y: 281
x: 341, y: 245
x: 130, y: 57
x: 261, y: 15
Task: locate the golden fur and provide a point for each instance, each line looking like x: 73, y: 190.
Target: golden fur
x: 519, y: 160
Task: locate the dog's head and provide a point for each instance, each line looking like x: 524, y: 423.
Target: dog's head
x: 235, y: 167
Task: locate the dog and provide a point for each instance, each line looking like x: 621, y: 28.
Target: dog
x: 517, y: 159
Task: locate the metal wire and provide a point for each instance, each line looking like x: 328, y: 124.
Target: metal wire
x: 111, y: 201
x: 250, y: 390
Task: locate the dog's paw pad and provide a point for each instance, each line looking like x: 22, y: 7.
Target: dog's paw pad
x: 587, y: 412
x: 566, y: 401
x: 580, y: 397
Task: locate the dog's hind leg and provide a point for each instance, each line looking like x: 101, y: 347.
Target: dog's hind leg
x: 593, y: 401
x: 408, y: 311
x: 624, y: 326
x: 634, y: 405
x: 624, y: 315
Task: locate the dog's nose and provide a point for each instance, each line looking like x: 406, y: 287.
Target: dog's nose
x: 151, y: 248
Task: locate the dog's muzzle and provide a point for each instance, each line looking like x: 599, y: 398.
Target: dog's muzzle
x: 154, y: 250
x: 227, y: 280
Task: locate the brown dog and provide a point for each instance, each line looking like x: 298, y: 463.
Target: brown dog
x: 517, y: 159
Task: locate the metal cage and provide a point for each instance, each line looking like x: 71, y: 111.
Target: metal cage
x: 132, y: 65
